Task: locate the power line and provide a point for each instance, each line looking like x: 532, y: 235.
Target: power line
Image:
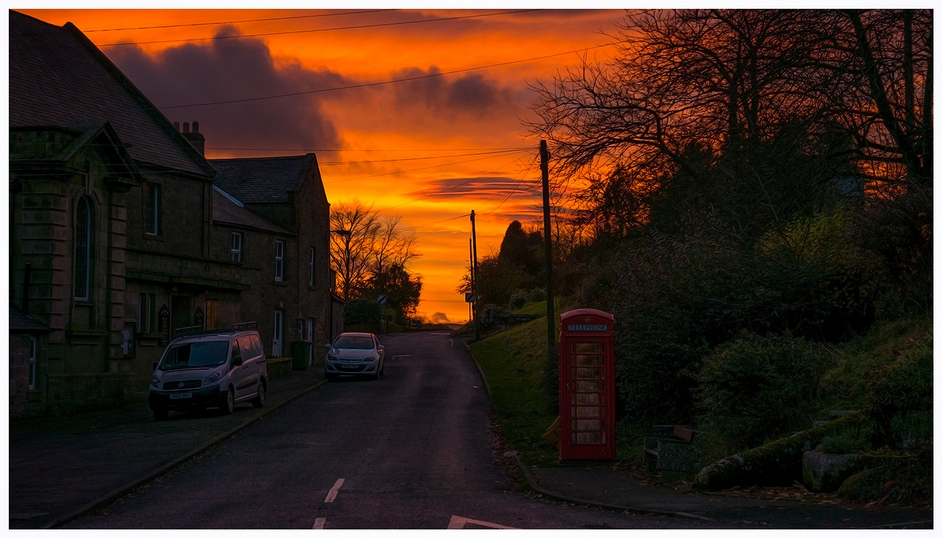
x: 315, y: 30
x: 385, y: 82
x: 269, y: 19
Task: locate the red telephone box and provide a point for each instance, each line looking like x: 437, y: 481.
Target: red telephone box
x: 587, y: 385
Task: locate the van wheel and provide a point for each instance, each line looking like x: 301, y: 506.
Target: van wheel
x: 228, y: 406
x: 161, y: 413
x: 259, y: 400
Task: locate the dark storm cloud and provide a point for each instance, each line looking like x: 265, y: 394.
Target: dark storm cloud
x: 470, y: 93
x: 229, y: 69
x: 478, y: 187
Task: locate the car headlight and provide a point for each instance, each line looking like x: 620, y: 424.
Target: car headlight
x: 155, y: 382
x: 213, y: 378
x: 331, y: 357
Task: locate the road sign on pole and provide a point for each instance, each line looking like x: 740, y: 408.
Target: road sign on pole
x: 470, y: 297
x: 382, y: 298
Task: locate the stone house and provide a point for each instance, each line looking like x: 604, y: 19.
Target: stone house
x: 295, y: 267
x: 114, y: 237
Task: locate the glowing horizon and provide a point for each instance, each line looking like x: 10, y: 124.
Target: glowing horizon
x: 447, y: 140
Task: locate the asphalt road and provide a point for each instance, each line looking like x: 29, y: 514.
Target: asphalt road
x: 413, y: 450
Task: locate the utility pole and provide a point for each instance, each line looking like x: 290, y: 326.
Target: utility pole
x: 474, y: 270
x: 553, y: 363
x: 471, y: 273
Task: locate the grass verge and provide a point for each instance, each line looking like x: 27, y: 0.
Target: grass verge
x: 514, y: 367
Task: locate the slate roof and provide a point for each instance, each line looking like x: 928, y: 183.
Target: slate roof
x: 24, y: 323
x: 225, y: 211
x: 58, y: 78
x: 261, y: 180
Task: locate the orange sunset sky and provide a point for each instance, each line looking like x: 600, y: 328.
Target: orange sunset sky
x: 447, y: 140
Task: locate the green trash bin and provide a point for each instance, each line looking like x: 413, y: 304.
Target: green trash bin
x: 301, y: 351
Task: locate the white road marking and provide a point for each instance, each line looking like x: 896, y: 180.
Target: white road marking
x: 458, y: 522
x: 332, y: 494
x: 319, y: 523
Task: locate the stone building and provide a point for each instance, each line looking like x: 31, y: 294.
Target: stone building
x: 295, y: 267
x: 118, y: 235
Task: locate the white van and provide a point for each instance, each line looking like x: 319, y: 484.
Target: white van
x: 201, y: 369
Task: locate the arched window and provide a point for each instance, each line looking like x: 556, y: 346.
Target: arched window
x: 83, y: 248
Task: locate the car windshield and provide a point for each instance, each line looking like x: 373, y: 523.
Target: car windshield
x: 196, y: 355
x: 354, y: 342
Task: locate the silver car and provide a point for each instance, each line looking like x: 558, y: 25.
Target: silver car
x: 218, y: 368
x: 354, y: 354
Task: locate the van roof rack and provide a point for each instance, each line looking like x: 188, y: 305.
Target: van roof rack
x: 194, y: 330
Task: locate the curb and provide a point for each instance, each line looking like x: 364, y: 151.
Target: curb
x: 533, y: 484
x: 109, y: 498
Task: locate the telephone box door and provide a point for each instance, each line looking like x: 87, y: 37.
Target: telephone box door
x: 587, y: 386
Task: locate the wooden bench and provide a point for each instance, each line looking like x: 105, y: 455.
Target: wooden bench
x: 674, y: 451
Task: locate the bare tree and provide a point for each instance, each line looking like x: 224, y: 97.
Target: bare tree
x: 880, y: 67
x: 710, y: 91
x: 365, y: 246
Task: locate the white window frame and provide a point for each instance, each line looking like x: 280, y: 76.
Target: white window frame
x: 235, y: 249
x: 279, y: 260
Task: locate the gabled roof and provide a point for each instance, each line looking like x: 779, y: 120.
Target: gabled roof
x: 100, y: 135
x: 262, y: 180
x: 58, y: 78
x: 225, y: 211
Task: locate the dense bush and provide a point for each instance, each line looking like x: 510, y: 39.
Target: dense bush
x: 898, y: 401
x: 521, y: 297
x: 757, y: 388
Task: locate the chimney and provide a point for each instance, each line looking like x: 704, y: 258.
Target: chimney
x: 196, y: 139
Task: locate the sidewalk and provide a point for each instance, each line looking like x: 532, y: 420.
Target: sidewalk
x: 602, y: 485
x: 62, y: 468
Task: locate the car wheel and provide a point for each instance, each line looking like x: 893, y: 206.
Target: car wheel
x: 329, y: 376
x: 228, y: 405
x: 259, y: 400
x: 161, y: 413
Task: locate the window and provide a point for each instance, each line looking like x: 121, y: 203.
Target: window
x: 147, y: 313
x: 236, y: 249
x: 310, y: 267
x: 152, y: 205
x: 33, y: 349
x: 83, y: 248
x: 279, y: 261
x: 212, y: 313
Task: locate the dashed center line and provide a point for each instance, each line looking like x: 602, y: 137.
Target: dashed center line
x: 332, y: 494
x: 319, y: 523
